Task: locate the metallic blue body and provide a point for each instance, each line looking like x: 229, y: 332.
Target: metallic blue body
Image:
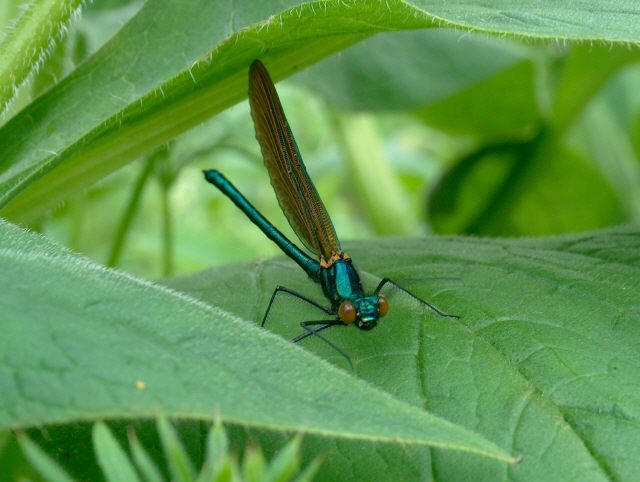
x: 308, y: 264
x: 339, y: 281
x: 308, y: 217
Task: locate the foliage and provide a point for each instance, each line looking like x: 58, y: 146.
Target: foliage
x: 484, y: 118
x: 218, y: 466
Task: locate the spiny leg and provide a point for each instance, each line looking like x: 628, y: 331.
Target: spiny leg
x: 306, y: 324
x: 324, y: 324
x: 384, y: 281
x: 297, y: 295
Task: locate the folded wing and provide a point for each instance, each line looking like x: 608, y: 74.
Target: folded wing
x: 294, y: 189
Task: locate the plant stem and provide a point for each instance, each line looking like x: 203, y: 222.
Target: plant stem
x: 377, y: 187
x: 131, y: 210
x: 167, y: 231
x: 166, y: 174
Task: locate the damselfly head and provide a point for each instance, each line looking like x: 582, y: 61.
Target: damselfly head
x: 364, y: 312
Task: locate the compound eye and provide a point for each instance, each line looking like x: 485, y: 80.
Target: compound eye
x: 347, y: 312
x: 383, y: 305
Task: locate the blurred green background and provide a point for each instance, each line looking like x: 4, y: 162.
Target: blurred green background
x: 404, y: 134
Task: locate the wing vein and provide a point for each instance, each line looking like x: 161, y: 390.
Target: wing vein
x: 294, y: 189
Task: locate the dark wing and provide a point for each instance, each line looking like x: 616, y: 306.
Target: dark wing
x: 296, y: 193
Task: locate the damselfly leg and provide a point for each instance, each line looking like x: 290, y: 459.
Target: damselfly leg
x: 322, y: 325
x: 434, y: 308
x: 284, y: 289
x: 307, y: 325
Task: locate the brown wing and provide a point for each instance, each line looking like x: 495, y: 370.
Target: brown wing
x: 296, y: 193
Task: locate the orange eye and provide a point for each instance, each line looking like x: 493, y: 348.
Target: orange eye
x: 347, y: 312
x: 383, y: 305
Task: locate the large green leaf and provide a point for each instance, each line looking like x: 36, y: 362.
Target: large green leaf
x: 439, y: 73
x: 544, y: 357
x: 177, y: 63
x: 503, y: 106
x: 518, y: 189
x: 585, y: 19
x: 82, y: 342
x: 605, y: 133
x: 512, y: 188
x: 406, y: 70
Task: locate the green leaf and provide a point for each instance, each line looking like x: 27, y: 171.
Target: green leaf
x: 308, y: 474
x: 543, y: 358
x: 42, y: 462
x: 579, y: 80
x: 157, y: 92
x: 285, y: 464
x: 605, y: 134
x: 253, y: 465
x: 227, y: 473
x: 588, y: 19
x: 180, y: 466
x: 29, y: 40
x: 407, y: 70
x: 217, y: 444
x: 104, y: 344
x: 14, y: 462
x: 492, y: 108
x: 4, y: 439
x: 462, y: 84
x: 143, y: 461
x: 151, y: 81
x: 485, y: 193
x: 216, y: 455
x: 113, y: 460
